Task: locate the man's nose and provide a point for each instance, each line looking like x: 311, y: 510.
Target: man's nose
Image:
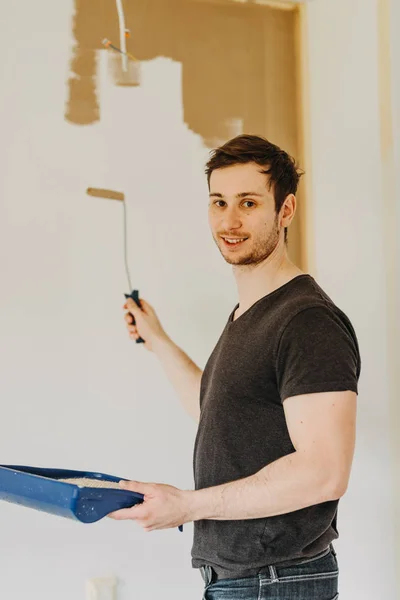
x: 231, y: 219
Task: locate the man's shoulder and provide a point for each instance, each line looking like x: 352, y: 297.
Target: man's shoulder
x: 304, y: 293
x: 305, y: 301
x: 312, y: 310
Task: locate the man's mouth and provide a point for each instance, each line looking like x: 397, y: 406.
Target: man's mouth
x: 233, y: 241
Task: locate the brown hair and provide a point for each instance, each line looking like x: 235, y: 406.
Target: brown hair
x: 284, y: 174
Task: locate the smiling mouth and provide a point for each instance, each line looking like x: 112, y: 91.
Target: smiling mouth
x: 231, y: 241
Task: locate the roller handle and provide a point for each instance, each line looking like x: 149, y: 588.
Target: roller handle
x: 135, y: 297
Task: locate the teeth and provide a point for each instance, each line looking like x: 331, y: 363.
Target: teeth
x: 234, y: 240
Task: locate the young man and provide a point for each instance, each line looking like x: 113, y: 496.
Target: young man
x: 276, y: 401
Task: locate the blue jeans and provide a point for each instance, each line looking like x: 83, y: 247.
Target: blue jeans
x: 310, y: 579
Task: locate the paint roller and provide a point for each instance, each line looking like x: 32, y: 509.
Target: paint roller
x: 129, y: 74
x: 120, y: 197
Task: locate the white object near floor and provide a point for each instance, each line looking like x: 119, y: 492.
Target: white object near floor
x: 102, y: 588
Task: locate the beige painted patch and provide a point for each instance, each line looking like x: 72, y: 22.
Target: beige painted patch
x: 223, y: 50
x: 239, y: 67
x: 82, y: 105
x: 281, y: 4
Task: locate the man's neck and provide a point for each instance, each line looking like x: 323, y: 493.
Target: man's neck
x: 255, y: 282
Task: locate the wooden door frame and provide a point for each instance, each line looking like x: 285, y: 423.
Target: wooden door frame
x: 305, y: 213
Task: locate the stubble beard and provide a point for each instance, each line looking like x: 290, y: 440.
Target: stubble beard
x: 259, y: 252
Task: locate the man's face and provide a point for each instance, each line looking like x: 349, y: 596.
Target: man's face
x: 242, y: 214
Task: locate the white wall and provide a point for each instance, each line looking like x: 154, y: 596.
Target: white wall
x: 348, y: 210
x: 75, y: 392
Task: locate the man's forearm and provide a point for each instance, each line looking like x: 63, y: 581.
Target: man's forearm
x: 288, y: 484
x: 182, y: 372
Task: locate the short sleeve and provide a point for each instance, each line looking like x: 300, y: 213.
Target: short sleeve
x: 317, y: 352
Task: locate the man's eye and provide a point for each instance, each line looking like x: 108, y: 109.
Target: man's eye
x: 249, y: 203
x: 220, y: 202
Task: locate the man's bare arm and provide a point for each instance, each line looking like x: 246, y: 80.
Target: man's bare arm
x: 182, y: 372
x: 322, y: 430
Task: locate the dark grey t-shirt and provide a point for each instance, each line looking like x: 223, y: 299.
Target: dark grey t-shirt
x: 293, y: 341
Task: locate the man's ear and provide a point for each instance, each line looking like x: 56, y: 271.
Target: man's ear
x: 288, y: 210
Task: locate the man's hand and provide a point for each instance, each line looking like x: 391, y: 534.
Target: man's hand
x: 164, y: 506
x: 147, y: 324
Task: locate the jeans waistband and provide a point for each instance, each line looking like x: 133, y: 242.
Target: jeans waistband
x: 211, y: 575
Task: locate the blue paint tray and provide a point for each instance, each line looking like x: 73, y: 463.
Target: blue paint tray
x: 40, y: 489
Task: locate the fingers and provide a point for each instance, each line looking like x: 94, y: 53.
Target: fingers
x: 143, y: 315
x: 129, y: 514
x: 133, y: 307
x: 129, y: 318
x: 146, y: 307
x: 130, y: 323
x: 136, y: 486
x: 124, y: 514
x: 132, y: 329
